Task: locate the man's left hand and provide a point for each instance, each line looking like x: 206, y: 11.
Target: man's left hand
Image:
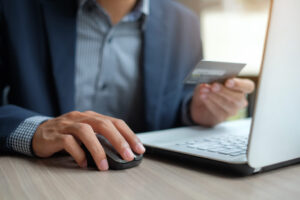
x: 212, y: 104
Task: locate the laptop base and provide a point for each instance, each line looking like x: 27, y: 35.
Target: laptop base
x: 201, y: 163
x: 213, y: 166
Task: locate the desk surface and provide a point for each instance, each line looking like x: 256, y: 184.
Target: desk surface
x: 60, y: 178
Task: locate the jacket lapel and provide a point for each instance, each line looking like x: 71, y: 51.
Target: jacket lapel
x: 155, y: 48
x: 60, y: 24
x: 60, y: 21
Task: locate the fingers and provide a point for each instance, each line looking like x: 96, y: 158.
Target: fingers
x: 69, y: 130
x: 217, y: 111
x: 69, y: 143
x: 202, y: 91
x: 110, y: 132
x: 242, y: 85
x: 229, y: 98
x: 218, y: 106
x: 125, y: 131
x: 128, y: 134
x: 217, y: 103
x: 227, y: 106
x: 85, y: 133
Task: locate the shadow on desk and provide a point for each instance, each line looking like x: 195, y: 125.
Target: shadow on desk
x: 210, y: 167
x: 202, y: 167
x: 62, y: 161
x: 59, y: 160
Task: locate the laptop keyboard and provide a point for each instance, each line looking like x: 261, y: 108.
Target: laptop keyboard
x: 231, y: 145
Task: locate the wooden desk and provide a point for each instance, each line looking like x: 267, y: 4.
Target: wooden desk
x: 59, y: 178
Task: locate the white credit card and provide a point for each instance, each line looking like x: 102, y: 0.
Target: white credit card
x: 211, y: 71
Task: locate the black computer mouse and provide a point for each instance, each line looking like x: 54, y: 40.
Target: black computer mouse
x: 115, y: 161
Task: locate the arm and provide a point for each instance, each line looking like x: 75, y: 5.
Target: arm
x: 17, y: 127
x: 209, y: 105
x: 194, y: 43
x: 22, y: 130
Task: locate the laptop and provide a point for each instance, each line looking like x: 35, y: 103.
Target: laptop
x: 271, y: 138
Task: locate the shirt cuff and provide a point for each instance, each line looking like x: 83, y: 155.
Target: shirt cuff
x: 21, y: 138
x: 185, y: 111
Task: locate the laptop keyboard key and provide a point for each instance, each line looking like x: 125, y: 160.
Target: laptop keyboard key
x: 231, y: 145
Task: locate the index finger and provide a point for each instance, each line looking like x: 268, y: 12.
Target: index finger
x: 85, y: 133
x: 126, y: 132
x: 242, y: 85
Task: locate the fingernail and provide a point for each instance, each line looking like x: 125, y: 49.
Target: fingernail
x: 140, y: 148
x: 230, y: 83
x: 84, y: 164
x: 128, y: 154
x: 103, y: 165
x: 216, y: 87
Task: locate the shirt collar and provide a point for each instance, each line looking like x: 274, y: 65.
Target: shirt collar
x: 141, y: 9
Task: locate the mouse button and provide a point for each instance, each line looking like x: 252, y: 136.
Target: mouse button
x: 106, y: 144
x: 109, y: 149
x: 138, y: 156
x: 113, y: 154
x: 102, y: 139
x: 117, y: 159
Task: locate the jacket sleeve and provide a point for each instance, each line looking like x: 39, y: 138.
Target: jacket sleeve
x: 195, y: 43
x: 17, y: 125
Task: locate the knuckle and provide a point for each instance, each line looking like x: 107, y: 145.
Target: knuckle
x: 73, y: 114
x: 105, y: 123
x: 89, y: 112
x: 67, y: 140
x: 82, y: 127
x: 120, y: 122
x: 62, y: 123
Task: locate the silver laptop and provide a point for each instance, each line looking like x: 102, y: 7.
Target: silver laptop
x: 271, y: 138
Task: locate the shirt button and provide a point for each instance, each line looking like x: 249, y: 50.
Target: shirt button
x: 109, y: 40
x: 103, y: 86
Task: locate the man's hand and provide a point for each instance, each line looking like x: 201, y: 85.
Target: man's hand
x: 68, y: 131
x: 212, y: 104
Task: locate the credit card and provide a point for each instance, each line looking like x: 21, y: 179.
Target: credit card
x: 211, y: 71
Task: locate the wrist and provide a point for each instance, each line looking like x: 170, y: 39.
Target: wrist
x: 20, y: 140
x: 34, y: 144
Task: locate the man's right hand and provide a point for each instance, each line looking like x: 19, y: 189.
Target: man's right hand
x: 68, y: 131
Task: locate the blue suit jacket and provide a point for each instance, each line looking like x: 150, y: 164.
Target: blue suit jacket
x: 37, y: 54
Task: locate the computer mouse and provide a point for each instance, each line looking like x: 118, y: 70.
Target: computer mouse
x: 115, y: 161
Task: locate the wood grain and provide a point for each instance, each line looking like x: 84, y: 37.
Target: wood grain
x: 60, y: 178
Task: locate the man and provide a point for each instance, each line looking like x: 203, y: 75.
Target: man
x: 125, y: 59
